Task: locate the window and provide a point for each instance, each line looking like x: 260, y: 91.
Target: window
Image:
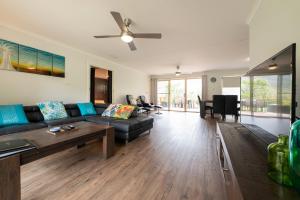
x: 179, y: 94
x: 177, y: 90
x: 267, y: 96
x: 231, y: 86
x: 194, y: 88
x: 231, y: 91
x: 163, y: 94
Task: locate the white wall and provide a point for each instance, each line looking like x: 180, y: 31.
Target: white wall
x: 212, y: 88
x: 17, y: 87
x: 275, y: 25
x: 216, y: 88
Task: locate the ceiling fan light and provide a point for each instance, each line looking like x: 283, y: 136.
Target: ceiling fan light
x: 126, y: 37
x: 273, y: 67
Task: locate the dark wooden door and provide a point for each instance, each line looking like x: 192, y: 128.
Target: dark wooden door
x: 101, y: 87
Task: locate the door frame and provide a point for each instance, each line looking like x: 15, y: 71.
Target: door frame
x: 185, y: 91
x: 92, y: 84
x: 184, y: 95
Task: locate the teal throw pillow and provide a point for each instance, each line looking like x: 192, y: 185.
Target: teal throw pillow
x: 12, y: 115
x: 86, y: 109
x: 52, y: 110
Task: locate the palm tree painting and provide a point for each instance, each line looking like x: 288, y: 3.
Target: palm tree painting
x: 8, y: 55
x: 17, y: 57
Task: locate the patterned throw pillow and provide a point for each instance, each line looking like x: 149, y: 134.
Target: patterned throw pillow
x: 124, y: 111
x: 110, y: 110
x: 86, y: 109
x: 52, y: 110
x: 12, y: 115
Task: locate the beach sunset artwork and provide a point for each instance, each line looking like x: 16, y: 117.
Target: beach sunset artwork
x: 44, y: 63
x: 9, y: 55
x: 58, y: 66
x: 17, y: 57
x: 27, y: 59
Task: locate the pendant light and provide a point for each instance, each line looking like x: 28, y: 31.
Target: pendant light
x: 178, y: 73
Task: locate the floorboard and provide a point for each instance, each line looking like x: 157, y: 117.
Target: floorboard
x: 178, y: 160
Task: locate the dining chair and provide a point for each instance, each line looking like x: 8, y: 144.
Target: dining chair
x: 231, y: 106
x: 204, y: 108
x: 219, y: 105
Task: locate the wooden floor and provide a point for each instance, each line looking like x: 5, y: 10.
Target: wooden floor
x: 176, y: 161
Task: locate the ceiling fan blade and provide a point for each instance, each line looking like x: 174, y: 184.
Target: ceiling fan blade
x: 132, y: 46
x: 147, y: 35
x: 119, y: 20
x: 106, y: 36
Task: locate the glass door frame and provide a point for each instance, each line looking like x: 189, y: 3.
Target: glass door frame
x: 163, y: 80
x: 185, y: 91
x: 184, y: 94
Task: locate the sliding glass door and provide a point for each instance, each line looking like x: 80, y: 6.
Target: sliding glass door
x: 179, y: 94
x: 177, y: 91
x: 193, y: 89
x: 163, y: 94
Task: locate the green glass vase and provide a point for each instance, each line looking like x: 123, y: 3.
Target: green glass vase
x: 278, y: 161
x: 295, y: 154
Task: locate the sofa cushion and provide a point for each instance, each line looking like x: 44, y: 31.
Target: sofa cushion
x: 86, y: 109
x: 135, y: 112
x: 100, y: 108
x: 111, y: 110
x: 12, y: 115
x: 20, y: 128
x: 99, y: 119
x: 124, y: 112
x: 52, y: 110
x: 33, y: 114
x: 72, y: 110
x: 62, y: 121
x: 121, y: 124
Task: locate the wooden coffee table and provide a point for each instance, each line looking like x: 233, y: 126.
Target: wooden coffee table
x: 47, y: 144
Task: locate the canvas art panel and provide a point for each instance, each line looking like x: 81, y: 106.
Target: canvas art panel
x: 17, y: 57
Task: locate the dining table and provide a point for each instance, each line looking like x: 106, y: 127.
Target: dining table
x: 210, y: 103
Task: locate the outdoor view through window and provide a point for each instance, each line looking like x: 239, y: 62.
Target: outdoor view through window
x: 266, y: 100
x: 179, y: 94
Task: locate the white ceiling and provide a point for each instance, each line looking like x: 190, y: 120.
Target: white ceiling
x: 197, y: 34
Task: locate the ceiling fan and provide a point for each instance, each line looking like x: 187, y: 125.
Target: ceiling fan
x: 126, y: 35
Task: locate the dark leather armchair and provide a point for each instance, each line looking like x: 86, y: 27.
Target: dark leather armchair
x: 145, y: 104
x: 219, y: 105
x: 130, y: 101
x: 204, y: 108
